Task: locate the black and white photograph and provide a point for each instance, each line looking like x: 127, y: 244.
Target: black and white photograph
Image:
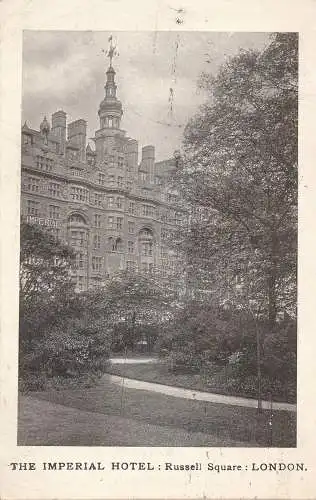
x: 158, y: 239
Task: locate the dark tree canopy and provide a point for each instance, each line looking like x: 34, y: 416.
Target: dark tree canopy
x: 239, y: 174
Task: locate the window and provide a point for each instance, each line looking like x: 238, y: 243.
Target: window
x: 80, y: 283
x: 131, y: 207
x: 120, y: 161
x: 131, y: 227
x: 33, y: 184
x: 54, y: 212
x: 96, y: 241
x: 76, y: 172
x: 130, y: 247
x: 79, y: 261
x: 119, y: 223
x: 110, y: 201
x: 119, y: 202
x: 164, y: 234
x: 76, y: 218
x: 111, y: 179
x: 147, y: 248
x: 111, y: 244
x: 147, y: 267
x: 44, y: 163
x: 163, y: 216
x: 54, y: 189
x: 130, y: 265
x: 27, y: 139
x: 119, y: 245
x: 129, y: 185
x: 55, y: 232
x: 101, y: 178
x: 148, y: 210
x: 77, y: 238
x: 171, y: 197
x: 177, y: 218
x: 157, y: 180
x: 97, y: 220
x: 143, y: 177
x: 79, y: 194
x: 98, y: 198
x: 163, y: 252
x: 111, y: 122
x: 32, y: 207
x: 120, y: 181
x: 110, y: 222
x: 96, y: 263
x: 115, y: 244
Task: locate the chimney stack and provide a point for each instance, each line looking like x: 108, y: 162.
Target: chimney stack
x: 59, y: 128
x: 77, y: 134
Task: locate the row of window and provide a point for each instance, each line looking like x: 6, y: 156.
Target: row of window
x: 44, y: 163
x: 114, y: 223
x: 53, y: 188
x: 33, y: 209
x: 97, y: 264
x: 79, y: 239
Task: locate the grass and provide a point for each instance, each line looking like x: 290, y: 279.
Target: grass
x: 199, y: 423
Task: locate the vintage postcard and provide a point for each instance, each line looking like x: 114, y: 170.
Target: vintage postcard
x: 157, y: 261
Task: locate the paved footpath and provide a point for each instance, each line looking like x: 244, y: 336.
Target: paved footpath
x: 133, y: 361
x: 179, y: 392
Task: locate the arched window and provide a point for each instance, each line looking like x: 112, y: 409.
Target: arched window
x: 77, y: 219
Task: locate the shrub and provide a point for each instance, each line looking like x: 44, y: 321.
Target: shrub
x: 184, y: 361
x: 72, y: 350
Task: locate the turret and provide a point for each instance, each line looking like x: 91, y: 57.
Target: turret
x: 110, y: 111
x: 44, y: 129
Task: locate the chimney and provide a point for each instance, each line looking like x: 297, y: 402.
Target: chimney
x: 132, y: 154
x: 59, y: 128
x: 148, y: 161
x: 77, y: 134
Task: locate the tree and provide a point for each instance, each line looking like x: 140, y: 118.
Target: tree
x: 239, y: 176
x: 132, y: 305
x: 45, y: 265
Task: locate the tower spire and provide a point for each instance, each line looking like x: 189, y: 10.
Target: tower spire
x: 111, y: 51
x: 110, y: 111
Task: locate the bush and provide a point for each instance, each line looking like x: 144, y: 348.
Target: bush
x: 184, y: 361
x: 69, y: 351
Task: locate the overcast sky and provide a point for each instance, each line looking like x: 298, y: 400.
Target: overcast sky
x: 66, y: 70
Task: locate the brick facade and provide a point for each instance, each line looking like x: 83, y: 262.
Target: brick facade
x: 116, y: 211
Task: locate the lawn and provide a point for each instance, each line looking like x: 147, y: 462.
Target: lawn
x: 203, y: 424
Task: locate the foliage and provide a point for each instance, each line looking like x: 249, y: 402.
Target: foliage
x: 69, y: 349
x: 239, y: 178
x: 45, y: 265
x: 58, y: 335
x: 133, y: 305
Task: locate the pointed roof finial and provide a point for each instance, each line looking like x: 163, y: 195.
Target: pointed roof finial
x: 112, y: 51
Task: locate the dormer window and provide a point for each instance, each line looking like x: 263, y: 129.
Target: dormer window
x: 27, y: 139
